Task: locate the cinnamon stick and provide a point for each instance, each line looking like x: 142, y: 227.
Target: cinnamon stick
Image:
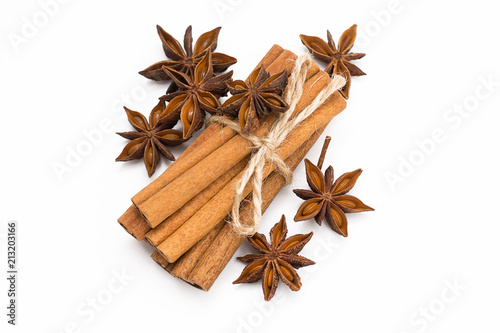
x: 183, y: 267
x: 209, y: 215
x: 174, y: 195
x: 133, y: 222
x: 166, y: 228
x: 216, y: 256
x: 209, y: 140
x: 162, y: 262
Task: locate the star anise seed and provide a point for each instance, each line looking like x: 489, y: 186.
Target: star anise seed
x: 185, y: 60
x: 338, y: 59
x: 256, y: 98
x: 150, y: 138
x: 196, y: 95
x: 328, y: 199
x: 276, y: 261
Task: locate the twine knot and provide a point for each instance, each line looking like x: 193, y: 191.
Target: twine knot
x: 266, y: 147
x: 268, y: 144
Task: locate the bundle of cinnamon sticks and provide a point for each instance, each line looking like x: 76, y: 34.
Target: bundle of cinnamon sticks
x: 183, y: 214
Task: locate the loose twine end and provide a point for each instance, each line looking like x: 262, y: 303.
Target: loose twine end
x: 267, y: 146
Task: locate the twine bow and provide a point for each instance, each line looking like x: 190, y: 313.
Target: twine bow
x: 266, y: 147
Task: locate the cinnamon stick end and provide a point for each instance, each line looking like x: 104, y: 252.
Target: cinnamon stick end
x: 134, y: 224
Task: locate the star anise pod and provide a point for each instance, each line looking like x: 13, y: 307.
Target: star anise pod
x: 186, y: 60
x: 328, y: 199
x: 196, y: 95
x: 150, y: 138
x: 276, y: 261
x: 253, y: 100
x: 338, y: 59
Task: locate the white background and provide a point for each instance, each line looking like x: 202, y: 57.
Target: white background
x: 434, y: 227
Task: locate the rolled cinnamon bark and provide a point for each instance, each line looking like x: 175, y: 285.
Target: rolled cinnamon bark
x: 174, y: 195
x: 183, y: 267
x: 209, y: 215
x: 182, y: 189
x: 133, y: 222
x: 213, y: 137
x: 216, y: 256
x: 166, y: 228
x: 162, y: 261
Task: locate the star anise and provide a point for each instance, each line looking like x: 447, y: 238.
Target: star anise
x: 277, y: 260
x: 196, y: 95
x: 253, y: 100
x: 186, y: 60
x: 328, y: 199
x: 339, y: 60
x: 151, y: 138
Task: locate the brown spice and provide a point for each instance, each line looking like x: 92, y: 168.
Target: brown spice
x: 185, y: 60
x: 328, y: 199
x: 254, y: 100
x: 161, y: 232
x: 277, y: 260
x: 197, y: 94
x: 150, y: 138
x: 185, y: 265
x: 338, y: 59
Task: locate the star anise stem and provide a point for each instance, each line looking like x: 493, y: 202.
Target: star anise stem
x: 323, y: 151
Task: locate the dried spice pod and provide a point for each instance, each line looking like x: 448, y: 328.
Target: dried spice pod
x: 338, y: 59
x: 151, y: 138
x: 198, y: 94
x: 256, y: 98
x: 277, y: 260
x: 185, y: 60
x: 327, y: 199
